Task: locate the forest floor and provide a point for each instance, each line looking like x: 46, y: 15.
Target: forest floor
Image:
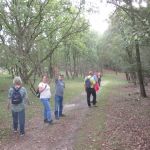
x: 128, y: 120
x: 127, y: 125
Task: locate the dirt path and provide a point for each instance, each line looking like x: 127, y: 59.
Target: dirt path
x: 40, y: 136
x: 127, y: 125
x: 59, y: 136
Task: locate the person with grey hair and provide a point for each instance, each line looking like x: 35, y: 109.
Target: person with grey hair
x: 17, y: 97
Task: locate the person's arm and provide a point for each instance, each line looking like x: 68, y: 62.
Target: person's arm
x: 41, y: 87
x: 26, y: 97
x: 56, y: 80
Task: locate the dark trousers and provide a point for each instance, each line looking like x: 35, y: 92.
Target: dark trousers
x: 91, y: 91
x: 99, y: 81
x: 19, y: 118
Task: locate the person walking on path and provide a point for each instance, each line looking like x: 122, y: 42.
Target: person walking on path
x: 59, y: 92
x: 45, y: 95
x: 99, y: 78
x: 89, y: 83
x: 96, y: 86
x: 17, y: 97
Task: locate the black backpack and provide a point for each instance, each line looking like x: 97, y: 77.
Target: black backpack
x: 16, y: 97
x: 38, y: 93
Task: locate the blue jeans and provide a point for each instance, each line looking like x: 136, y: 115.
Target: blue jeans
x: 58, y: 106
x: 47, y: 109
x: 19, y: 117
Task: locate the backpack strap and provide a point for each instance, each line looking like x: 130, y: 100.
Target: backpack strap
x: 16, y: 89
x: 44, y: 88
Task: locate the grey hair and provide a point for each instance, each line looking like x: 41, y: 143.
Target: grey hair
x: 17, y: 80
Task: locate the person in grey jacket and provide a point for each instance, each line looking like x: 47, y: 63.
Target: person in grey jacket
x: 17, y: 97
x: 59, y: 93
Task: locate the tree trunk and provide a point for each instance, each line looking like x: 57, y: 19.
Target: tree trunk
x: 74, y: 65
x: 127, y: 76
x: 50, y: 68
x: 67, y: 74
x: 138, y: 59
x: 139, y: 70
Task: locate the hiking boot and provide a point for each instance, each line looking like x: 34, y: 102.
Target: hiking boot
x: 15, y: 131
x: 22, y: 134
x: 57, y: 118
x: 50, y: 122
x: 63, y: 115
x: 45, y: 120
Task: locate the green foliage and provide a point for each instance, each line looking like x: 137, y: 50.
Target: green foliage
x: 33, y: 30
x: 121, y: 36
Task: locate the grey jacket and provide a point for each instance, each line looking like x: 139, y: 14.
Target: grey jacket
x: 59, y: 87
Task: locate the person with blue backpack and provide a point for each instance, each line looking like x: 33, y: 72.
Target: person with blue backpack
x: 17, y: 97
x: 89, y: 83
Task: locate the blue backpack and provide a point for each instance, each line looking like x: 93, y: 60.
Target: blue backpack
x: 16, y: 97
x: 88, y: 83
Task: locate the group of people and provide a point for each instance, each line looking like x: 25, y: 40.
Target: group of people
x: 92, y: 85
x: 18, y: 97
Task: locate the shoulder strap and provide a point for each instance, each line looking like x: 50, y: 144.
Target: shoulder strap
x: 44, y: 88
x: 16, y: 89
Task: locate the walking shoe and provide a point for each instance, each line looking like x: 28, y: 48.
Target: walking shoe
x: 45, y: 120
x: 22, y: 134
x: 15, y: 131
x: 50, y: 122
x: 63, y: 115
x: 57, y: 118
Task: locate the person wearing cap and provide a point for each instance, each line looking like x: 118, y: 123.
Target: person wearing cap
x: 89, y: 83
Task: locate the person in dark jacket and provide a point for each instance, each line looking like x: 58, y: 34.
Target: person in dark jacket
x: 89, y: 83
x: 99, y: 78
